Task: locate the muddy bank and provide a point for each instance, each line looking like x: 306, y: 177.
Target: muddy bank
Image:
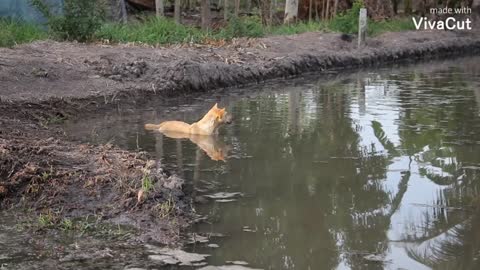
x: 42, y: 174
x: 45, y: 82
x: 43, y: 70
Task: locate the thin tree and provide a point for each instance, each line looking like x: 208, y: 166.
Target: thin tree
x: 395, y: 6
x: 237, y: 7
x: 205, y: 14
x: 327, y: 11
x: 225, y: 10
x: 123, y: 11
x: 176, y: 11
x: 159, y: 8
x: 291, y: 11
x: 335, y: 6
x: 265, y: 6
x: 248, y: 5
x: 310, y: 7
x: 476, y: 4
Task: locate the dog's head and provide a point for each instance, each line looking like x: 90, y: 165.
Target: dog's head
x: 221, y: 115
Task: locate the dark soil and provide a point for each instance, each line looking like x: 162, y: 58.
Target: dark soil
x: 45, y: 82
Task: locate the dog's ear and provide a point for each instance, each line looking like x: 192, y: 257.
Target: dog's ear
x: 221, y: 112
x: 215, y: 106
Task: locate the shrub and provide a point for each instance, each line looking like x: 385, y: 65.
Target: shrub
x: 78, y: 21
x: 348, y: 21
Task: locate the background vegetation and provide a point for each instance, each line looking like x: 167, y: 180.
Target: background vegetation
x: 86, y: 21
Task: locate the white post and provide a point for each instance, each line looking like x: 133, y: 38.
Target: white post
x: 362, y: 27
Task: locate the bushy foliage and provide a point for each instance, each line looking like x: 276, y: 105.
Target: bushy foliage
x: 348, y: 21
x: 79, y: 20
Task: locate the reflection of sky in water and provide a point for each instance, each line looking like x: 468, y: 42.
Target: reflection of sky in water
x: 379, y: 102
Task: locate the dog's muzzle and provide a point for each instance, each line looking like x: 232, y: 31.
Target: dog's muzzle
x: 228, y: 119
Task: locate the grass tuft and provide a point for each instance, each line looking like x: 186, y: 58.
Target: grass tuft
x: 13, y: 32
x: 153, y: 31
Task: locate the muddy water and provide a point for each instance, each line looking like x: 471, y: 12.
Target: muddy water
x: 369, y: 170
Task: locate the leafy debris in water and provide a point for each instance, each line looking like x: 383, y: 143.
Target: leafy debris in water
x: 224, y: 195
x: 176, y: 256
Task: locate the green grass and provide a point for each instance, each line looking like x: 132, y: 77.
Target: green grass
x: 13, y: 32
x: 298, y: 28
x: 241, y: 27
x: 158, y: 31
x: 152, y: 31
x: 155, y: 31
x: 147, y: 183
x: 394, y: 25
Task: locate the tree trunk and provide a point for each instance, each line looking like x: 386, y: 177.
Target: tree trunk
x: 291, y: 11
x: 408, y: 6
x: 176, y: 11
x: 327, y: 11
x: 395, y: 6
x: 159, y: 8
x: 205, y: 14
x: 123, y: 8
x: 225, y: 10
x: 237, y: 7
x: 476, y: 5
x: 335, y: 6
x: 265, y: 11
x: 248, y: 5
x: 310, y: 7
x: 273, y: 4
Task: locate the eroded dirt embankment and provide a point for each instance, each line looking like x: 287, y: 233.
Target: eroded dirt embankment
x: 45, y: 82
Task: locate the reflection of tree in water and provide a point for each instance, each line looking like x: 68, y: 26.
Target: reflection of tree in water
x: 329, y: 184
x: 447, y: 115
x: 307, y: 152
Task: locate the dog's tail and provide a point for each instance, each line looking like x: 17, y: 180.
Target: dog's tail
x: 153, y: 126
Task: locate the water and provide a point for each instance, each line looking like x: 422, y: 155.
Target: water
x: 377, y: 169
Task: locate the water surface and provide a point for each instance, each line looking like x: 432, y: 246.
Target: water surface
x: 367, y: 170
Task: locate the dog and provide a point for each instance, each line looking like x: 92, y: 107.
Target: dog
x: 200, y: 133
x: 208, y: 125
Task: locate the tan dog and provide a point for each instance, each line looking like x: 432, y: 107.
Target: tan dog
x: 199, y: 132
x: 208, y: 125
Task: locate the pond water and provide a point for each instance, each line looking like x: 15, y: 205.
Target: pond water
x: 352, y: 170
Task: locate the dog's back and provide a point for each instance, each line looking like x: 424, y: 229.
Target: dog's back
x: 208, y: 125
x: 175, y: 126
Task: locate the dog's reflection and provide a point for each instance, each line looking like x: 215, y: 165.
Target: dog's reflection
x: 210, y: 144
